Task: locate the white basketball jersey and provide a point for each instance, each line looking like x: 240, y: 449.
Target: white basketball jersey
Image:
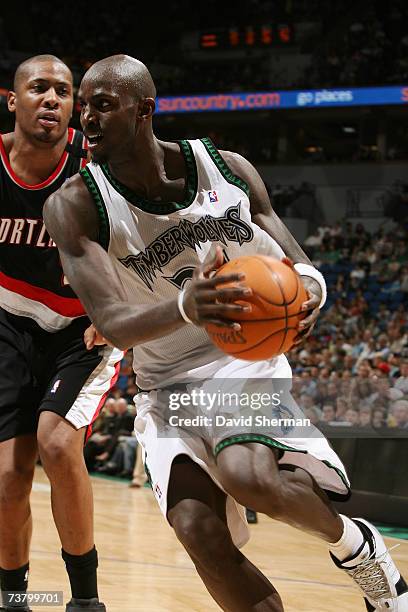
x: 156, y: 246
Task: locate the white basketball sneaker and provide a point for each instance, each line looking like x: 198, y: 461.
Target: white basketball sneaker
x: 374, y: 571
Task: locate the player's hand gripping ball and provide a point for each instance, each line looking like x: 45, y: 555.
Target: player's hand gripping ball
x: 271, y: 327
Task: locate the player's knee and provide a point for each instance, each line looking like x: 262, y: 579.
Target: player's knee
x: 202, y: 533
x: 261, y: 491
x: 15, y: 485
x: 56, y: 453
x: 191, y: 524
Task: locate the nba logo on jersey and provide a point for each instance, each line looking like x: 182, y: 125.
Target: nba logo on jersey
x: 213, y: 196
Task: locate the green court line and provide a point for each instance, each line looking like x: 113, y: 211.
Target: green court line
x: 393, y: 531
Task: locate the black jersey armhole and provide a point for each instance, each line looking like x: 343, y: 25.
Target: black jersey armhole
x: 223, y: 167
x: 104, y: 225
x: 75, y: 148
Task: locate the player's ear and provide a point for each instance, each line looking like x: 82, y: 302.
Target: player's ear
x: 11, y: 101
x: 146, y: 108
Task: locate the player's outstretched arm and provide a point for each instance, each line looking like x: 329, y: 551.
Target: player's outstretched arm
x: 71, y: 220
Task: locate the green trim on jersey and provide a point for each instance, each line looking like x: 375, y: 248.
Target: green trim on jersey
x: 223, y: 166
x: 161, y: 208
x: 338, y: 470
x: 245, y: 438
x: 262, y: 439
x: 104, y: 225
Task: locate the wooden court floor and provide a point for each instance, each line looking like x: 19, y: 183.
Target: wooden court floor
x: 142, y: 567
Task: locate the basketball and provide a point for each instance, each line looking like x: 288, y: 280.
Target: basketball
x: 271, y: 326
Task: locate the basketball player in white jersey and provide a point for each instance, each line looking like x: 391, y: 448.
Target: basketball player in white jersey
x: 145, y: 217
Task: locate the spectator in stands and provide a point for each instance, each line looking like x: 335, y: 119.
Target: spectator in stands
x: 365, y: 417
x: 358, y: 273
x: 402, y: 381
x: 102, y: 434
x: 314, y: 240
x: 382, y: 348
x: 309, y: 383
x: 399, y: 414
x: 379, y: 418
x: 404, y: 279
x: 332, y: 393
x: 306, y: 402
x: 314, y: 415
x: 400, y: 315
x: 352, y: 417
x: 361, y: 390
x: 329, y: 413
x: 123, y: 426
x: 122, y: 460
x: 394, y: 362
x: 397, y: 338
x: 342, y: 405
x: 341, y: 286
x: 384, y: 395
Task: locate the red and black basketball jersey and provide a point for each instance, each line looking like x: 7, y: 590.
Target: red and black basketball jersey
x: 31, y: 277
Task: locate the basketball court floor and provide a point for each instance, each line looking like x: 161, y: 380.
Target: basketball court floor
x: 142, y: 567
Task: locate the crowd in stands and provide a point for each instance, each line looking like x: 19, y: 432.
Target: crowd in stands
x: 353, y: 369
x: 347, y: 44
x: 92, y: 33
x: 368, y: 47
x: 351, y: 44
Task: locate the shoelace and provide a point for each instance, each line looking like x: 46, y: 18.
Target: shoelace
x: 370, y: 577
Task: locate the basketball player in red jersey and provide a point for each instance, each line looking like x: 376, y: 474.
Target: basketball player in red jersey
x: 132, y: 228
x: 51, y: 386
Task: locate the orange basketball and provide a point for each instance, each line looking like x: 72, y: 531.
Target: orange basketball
x: 271, y: 326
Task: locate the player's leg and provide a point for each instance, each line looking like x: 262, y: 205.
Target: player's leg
x: 76, y: 391
x: 61, y: 453
x: 197, y: 513
x: 251, y: 474
x: 17, y: 462
x: 18, y: 451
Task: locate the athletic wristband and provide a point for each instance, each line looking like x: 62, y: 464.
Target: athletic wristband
x: 308, y: 270
x: 180, y: 301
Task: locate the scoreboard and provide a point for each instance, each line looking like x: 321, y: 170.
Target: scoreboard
x: 268, y: 35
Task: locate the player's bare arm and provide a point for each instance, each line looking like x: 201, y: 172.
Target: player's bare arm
x: 265, y: 217
x: 72, y: 222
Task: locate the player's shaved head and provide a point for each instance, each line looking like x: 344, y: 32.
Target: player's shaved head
x: 23, y: 70
x: 124, y: 72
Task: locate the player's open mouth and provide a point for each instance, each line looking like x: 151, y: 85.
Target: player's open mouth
x: 48, y: 120
x: 94, y: 140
